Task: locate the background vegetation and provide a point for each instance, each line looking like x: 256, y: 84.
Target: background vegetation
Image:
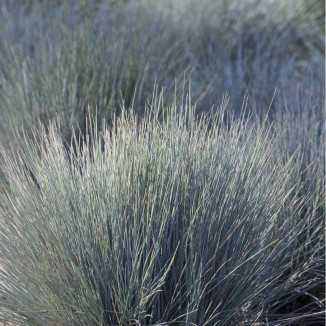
x: 134, y: 190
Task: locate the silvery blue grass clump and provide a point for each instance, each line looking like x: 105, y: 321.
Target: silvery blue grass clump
x: 162, y: 215
x: 182, y: 220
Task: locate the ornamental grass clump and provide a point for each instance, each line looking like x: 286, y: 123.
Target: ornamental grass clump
x: 187, y: 220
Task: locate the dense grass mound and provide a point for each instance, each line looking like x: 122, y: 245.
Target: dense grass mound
x: 195, y: 221
x: 157, y: 211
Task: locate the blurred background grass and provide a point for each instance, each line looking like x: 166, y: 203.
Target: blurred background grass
x: 57, y: 58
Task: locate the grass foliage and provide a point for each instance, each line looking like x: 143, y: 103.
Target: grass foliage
x: 58, y: 58
x: 121, y: 206
x: 184, y: 221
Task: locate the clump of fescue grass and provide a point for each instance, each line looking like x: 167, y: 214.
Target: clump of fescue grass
x: 171, y: 218
x: 194, y: 221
